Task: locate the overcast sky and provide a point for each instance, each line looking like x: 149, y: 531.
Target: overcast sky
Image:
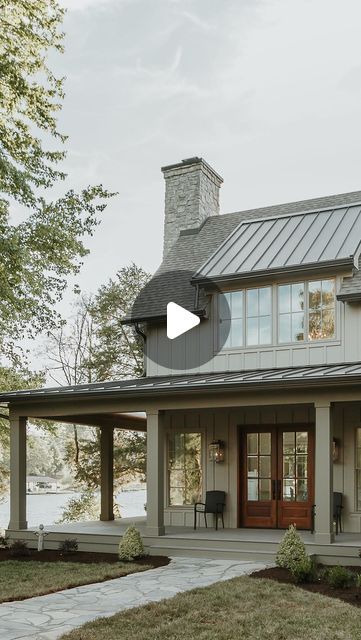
x: 268, y: 92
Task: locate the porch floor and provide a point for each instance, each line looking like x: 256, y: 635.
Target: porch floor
x: 117, y: 528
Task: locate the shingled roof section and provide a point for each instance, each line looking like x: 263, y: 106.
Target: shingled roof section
x: 194, y: 247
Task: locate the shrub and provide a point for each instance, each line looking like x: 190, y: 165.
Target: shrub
x: 19, y: 549
x: 292, y: 550
x: 131, y: 546
x: 339, y: 577
x: 358, y: 580
x: 4, y: 542
x: 304, y: 571
x: 69, y: 545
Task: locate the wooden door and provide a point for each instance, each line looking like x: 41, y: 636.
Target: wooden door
x: 277, y: 477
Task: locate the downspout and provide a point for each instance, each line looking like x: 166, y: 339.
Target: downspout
x: 141, y: 333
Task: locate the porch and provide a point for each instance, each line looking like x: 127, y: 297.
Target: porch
x: 237, y: 544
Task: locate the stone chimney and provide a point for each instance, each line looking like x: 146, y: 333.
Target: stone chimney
x: 191, y: 196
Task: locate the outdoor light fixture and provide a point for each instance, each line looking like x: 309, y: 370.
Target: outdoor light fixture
x: 216, y: 451
x: 335, y: 449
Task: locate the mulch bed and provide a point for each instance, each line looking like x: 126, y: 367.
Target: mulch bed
x: 351, y: 595
x: 85, y: 557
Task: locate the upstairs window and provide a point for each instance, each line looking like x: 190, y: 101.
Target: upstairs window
x: 291, y: 312
x: 259, y: 316
x: 321, y: 309
x: 245, y: 317
x: 306, y: 311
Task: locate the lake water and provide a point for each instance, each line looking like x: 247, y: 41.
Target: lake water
x: 47, y: 508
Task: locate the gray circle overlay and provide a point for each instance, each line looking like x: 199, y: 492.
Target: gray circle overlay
x: 197, y: 346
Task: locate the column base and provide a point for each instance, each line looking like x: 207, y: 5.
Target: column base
x: 324, y: 538
x: 106, y: 518
x: 15, y: 526
x: 154, y: 531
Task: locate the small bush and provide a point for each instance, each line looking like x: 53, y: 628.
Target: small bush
x: 4, y: 542
x: 358, y: 580
x: 292, y: 550
x: 19, y: 549
x: 339, y: 577
x: 69, y: 545
x: 131, y: 545
x: 304, y: 571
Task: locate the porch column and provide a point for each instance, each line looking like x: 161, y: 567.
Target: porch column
x: 155, y: 473
x: 18, y: 473
x: 323, y: 474
x: 106, y: 473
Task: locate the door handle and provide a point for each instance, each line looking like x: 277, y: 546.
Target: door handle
x: 274, y: 489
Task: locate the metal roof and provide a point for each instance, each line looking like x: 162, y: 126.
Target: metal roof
x: 306, y: 239
x: 193, y: 248
x: 265, y: 378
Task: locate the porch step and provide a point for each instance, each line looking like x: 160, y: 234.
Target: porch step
x: 210, y: 552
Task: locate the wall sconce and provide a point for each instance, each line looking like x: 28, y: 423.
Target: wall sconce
x: 335, y: 450
x: 216, y: 451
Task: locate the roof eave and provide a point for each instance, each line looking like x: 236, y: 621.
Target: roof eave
x: 327, y: 265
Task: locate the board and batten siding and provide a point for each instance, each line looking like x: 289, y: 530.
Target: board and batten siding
x: 224, y: 424
x: 199, y: 345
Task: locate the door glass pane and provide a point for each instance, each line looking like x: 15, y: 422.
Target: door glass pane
x: 289, y: 490
x: 265, y: 489
x: 252, y: 443
x: 289, y: 442
x: 252, y: 465
x: 265, y: 466
x: 289, y: 467
x: 265, y: 443
x: 301, y: 441
x: 302, y: 493
x: 302, y: 466
x: 252, y: 486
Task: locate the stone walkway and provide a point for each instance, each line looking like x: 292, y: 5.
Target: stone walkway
x: 48, y: 617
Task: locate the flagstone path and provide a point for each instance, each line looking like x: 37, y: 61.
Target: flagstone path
x: 48, y: 617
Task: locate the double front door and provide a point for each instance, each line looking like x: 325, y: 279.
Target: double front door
x: 277, y: 475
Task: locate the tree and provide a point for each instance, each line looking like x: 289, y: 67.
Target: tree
x: 39, y: 253
x: 119, y: 352
x: 94, y: 346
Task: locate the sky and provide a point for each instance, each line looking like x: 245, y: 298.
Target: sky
x: 268, y: 92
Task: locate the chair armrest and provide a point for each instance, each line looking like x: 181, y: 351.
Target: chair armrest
x: 196, y: 504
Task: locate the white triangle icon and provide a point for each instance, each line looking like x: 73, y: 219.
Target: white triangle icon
x: 179, y: 320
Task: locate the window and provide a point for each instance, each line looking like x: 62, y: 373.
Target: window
x: 184, y: 468
x: 245, y: 318
x: 358, y: 469
x: 293, y: 311
x: 259, y: 326
x: 291, y: 315
x: 231, y: 319
x: 321, y: 309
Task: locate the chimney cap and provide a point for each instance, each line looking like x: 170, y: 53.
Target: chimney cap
x: 195, y: 160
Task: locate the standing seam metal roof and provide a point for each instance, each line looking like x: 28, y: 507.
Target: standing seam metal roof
x: 284, y: 241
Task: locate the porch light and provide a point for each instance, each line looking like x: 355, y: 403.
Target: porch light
x: 216, y: 451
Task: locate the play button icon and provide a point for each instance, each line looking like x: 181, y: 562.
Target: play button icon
x: 179, y: 320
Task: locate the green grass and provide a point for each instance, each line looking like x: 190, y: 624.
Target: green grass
x: 20, y: 580
x: 239, y: 609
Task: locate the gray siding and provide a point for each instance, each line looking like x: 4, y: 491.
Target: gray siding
x: 200, y: 345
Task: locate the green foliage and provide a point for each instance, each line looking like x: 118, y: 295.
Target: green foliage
x: 19, y: 549
x: 119, y: 352
x: 131, y: 545
x: 4, y: 542
x: 39, y: 253
x: 85, y: 507
x: 304, y: 571
x: 69, y: 545
x: 358, y: 580
x: 292, y: 550
x: 339, y: 577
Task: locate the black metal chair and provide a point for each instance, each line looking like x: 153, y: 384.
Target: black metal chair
x: 337, y: 510
x: 215, y: 503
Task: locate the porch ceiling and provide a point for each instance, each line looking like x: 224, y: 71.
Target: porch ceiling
x: 113, y: 420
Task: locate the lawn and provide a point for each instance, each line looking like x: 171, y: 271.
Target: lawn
x: 242, y: 608
x: 20, y: 580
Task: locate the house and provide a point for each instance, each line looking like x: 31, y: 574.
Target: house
x: 270, y: 379
x: 41, y: 484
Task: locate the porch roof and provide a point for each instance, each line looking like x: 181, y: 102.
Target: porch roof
x: 256, y: 379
